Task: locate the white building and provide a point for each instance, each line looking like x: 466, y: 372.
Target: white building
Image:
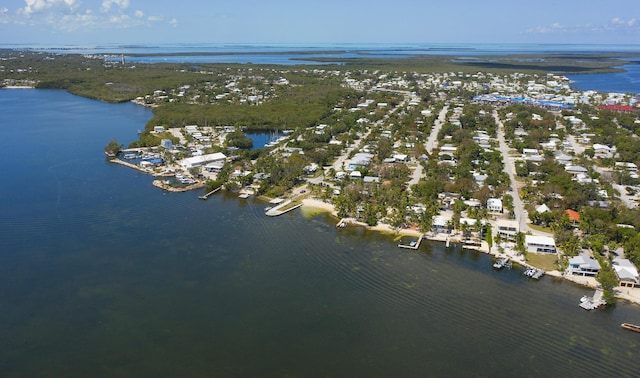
x: 627, y: 272
x: 583, y: 266
x: 198, y: 161
x: 494, y: 205
x: 507, y: 229
x: 541, y: 244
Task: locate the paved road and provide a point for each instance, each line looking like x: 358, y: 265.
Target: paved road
x: 433, y: 137
x: 509, y: 167
x: 417, y: 173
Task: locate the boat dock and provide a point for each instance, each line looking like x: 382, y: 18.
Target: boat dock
x: 204, y: 197
x: 534, y: 273
x: 591, y: 303
x: 282, y: 208
x: 630, y: 327
x: 503, y: 262
x: 413, y: 244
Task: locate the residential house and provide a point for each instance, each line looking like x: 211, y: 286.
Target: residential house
x: 574, y: 217
x: 583, y: 266
x: 542, y: 209
x: 627, y: 272
x: 507, y: 229
x: 494, y: 205
x: 359, y: 160
x: 441, y: 224
x: 539, y: 244
x: 602, y: 151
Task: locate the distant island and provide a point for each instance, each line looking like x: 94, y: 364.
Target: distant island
x: 498, y: 153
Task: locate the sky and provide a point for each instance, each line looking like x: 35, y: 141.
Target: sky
x: 157, y: 22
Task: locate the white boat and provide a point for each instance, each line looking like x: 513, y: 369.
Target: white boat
x: 501, y: 263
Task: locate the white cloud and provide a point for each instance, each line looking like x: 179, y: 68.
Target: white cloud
x: 553, y: 28
x: 37, y: 6
x: 615, y: 24
x: 74, y: 16
x: 622, y: 23
x: 121, y: 4
x: 173, y: 22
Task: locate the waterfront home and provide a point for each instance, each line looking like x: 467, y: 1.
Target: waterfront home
x: 441, y: 224
x: 540, y: 244
x: 627, y: 272
x: 583, y: 266
x: 507, y: 229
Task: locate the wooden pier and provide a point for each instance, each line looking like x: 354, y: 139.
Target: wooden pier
x: 204, y: 197
x: 414, y: 244
x: 591, y: 303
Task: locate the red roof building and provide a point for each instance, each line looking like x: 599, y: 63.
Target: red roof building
x: 574, y: 216
x: 618, y: 108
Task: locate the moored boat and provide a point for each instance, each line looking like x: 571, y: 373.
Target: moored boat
x: 630, y: 327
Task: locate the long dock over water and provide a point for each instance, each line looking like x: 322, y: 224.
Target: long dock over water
x: 204, y: 197
x: 282, y: 208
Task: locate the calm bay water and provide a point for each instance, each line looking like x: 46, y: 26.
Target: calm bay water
x: 621, y: 82
x: 103, y: 275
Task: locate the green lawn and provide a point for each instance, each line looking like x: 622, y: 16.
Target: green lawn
x: 543, y: 261
x: 541, y: 228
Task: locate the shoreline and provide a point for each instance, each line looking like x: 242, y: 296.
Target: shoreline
x: 631, y: 295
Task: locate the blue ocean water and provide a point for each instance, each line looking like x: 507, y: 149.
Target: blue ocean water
x: 103, y: 275
x: 620, y: 82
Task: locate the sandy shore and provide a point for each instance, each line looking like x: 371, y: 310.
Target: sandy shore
x: 314, y: 203
x: 160, y: 184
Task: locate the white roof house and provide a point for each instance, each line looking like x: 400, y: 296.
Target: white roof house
x: 626, y: 271
x: 583, y: 266
x: 361, y: 159
x: 575, y: 169
x: 507, y: 229
x: 198, y: 161
x: 494, y: 205
x: 542, y: 209
x: 542, y: 244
